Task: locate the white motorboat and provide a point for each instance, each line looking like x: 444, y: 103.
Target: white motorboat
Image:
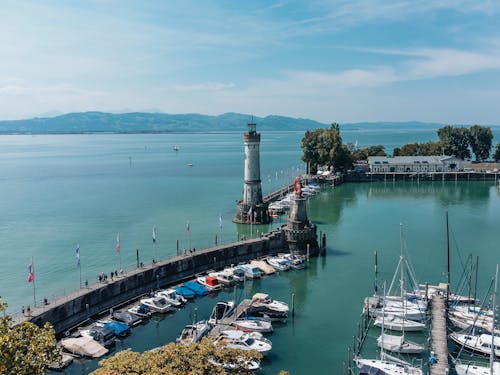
x: 157, y: 304
x: 244, y: 341
x: 224, y: 277
x: 193, y: 332
x: 241, y: 364
x: 297, y: 262
x: 140, y: 310
x: 383, y: 367
x: 395, y: 323
x: 237, y: 273
x: 399, y: 344
x: 172, y: 297
x: 247, y: 325
x: 262, y: 299
x: 211, y: 283
x: 279, y: 264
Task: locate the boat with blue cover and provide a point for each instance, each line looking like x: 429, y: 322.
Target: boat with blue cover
x: 185, y: 292
x: 120, y: 329
x: 198, y: 289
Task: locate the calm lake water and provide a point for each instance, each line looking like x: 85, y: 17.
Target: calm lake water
x: 58, y: 191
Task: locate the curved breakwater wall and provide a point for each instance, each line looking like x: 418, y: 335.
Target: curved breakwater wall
x: 69, y: 311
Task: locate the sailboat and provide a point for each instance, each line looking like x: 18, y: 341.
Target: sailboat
x: 494, y: 366
x: 386, y: 365
x: 398, y: 344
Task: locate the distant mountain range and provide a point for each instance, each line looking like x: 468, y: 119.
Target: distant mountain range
x: 139, y: 122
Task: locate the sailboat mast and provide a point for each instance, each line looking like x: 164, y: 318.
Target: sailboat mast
x: 448, y: 248
x: 492, y: 354
x: 401, y: 280
x: 475, y: 283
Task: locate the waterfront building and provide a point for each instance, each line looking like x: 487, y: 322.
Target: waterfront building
x: 251, y: 209
x: 414, y: 164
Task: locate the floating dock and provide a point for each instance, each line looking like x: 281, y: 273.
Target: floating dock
x: 439, y: 342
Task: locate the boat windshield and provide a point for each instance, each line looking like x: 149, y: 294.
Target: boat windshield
x: 249, y: 341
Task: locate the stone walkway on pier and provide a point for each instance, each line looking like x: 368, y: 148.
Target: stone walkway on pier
x: 439, y: 338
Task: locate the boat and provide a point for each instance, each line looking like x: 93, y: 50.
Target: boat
x: 172, y: 297
x: 197, y: 288
x: 66, y: 360
x: 297, y: 262
x: 237, y: 273
x: 395, y: 323
x: 176, y: 148
x: 243, y: 341
x: 140, y: 310
x: 383, y: 367
x: 399, y: 344
x: 468, y: 368
x: 224, y: 277
x: 185, y: 292
x: 103, y: 335
x: 263, y: 266
x: 234, y: 333
x: 211, y: 283
x: 190, y: 164
x: 251, y: 272
x: 241, y: 364
x: 247, y: 325
x: 126, y: 317
x: 193, y: 333
x: 157, y: 304
x: 265, y: 313
x: 119, y: 329
x: 279, y: 264
x: 221, y: 311
x: 262, y: 299
x: 83, y: 347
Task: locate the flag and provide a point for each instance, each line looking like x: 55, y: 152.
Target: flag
x: 118, y: 242
x: 31, y: 272
x: 78, y: 255
x: 154, y: 234
x: 220, y: 222
x: 250, y: 215
x: 188, y: 227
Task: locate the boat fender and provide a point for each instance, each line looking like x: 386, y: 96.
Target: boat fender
x: 66, y: 333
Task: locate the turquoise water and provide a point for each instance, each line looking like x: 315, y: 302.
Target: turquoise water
x: 58, y: 191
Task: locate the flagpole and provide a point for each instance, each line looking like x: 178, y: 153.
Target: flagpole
x: 34, y: 288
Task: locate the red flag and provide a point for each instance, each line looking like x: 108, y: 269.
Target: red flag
x: 31, y: 272
x: 118, y: 242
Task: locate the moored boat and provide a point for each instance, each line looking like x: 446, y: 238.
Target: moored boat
x: 211, y: 283
x: 263, y: 299
x: 83, y: 346
x: 395, y: 323
x: 197, y: 288
x: 221, y: 310
x: 172, y: 297
x: 157, y: 304
x: 398, y: 344
x: 140, y: 310
x: 279, y: 264
x: 193, y: 332
x: 247, y: 325
x: 128, y: 318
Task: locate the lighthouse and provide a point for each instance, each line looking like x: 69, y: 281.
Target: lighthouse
x: 251, y: 209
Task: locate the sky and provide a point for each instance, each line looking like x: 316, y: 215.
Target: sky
x: 327, y: 60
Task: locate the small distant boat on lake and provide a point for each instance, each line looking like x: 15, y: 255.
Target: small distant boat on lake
x: 189, y: 164
x: 176, y: 148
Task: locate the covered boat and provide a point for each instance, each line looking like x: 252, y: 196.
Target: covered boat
x: 140, y: 310
x: 263, y: 266
x: 399, y: 344
x: 185, y: 292
x: 262, y: 299
x: 127, y: 317
x: 83, y: 346
x: 395, y: 323
x: 211, y: 283
x: 157, y: 304
x: 119, y: 329
x: 172, y: 297
x: 197, y: 288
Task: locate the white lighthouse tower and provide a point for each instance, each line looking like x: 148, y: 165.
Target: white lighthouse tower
x: 252, y: 209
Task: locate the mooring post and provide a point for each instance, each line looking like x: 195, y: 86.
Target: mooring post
x: 293, y: 305
x: 308, y: 252
x: 177, y: 246
x: 215, y: 239
x: 157, y: 282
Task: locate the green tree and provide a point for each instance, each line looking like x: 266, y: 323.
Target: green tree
x: 421, y: 149
x: 496, y: 156
x: 455, y: 141
x: 177, y: 359
x: 325, y: 147
x: 480, y: 138
x: 26, y: 349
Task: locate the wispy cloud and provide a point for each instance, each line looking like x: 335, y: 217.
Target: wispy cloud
x: 205, y: 86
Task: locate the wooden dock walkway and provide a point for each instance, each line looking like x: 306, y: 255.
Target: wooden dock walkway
x: 439, y: 343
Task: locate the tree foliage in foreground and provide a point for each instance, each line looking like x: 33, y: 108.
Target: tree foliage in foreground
x: 25, y: 349
x: 177, y: 359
